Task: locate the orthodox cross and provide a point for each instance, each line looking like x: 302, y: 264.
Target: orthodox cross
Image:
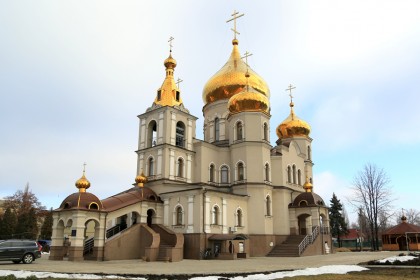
x: 84, y: 167
x: 178, y: 81
x: 246, y: 55
x: 290, y: 92
x: 235, y: 15
x: 170, y: 43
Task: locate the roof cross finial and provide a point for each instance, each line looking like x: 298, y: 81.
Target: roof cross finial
x: 246, y: 55
x: 170, y: 43
x: 235, y: 15
x: 290, y: 88
x: 178, y: 81
x: 84, y: 167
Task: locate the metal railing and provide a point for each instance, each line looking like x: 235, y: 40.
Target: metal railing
x: 88, y: 247
x: 113, y: 231
x: 309, y: 239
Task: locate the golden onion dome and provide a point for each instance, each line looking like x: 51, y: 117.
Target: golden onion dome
x: 230, y: 79
x: 248, y: 101
x: 141, y: 180
x: 292, y: 126
x: 308, y: 186
x: 169, y: 94
x: 170, y: 62
x: 82, y: 184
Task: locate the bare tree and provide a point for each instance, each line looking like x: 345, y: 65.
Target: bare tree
x: 413, y: 216
x: 372, y: 193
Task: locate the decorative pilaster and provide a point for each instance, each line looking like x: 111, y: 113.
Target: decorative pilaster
x: 190, y: 224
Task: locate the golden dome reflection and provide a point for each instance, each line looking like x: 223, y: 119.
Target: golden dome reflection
x: 292, y: 126
x: 230, y: 79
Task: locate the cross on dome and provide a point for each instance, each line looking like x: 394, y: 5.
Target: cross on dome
x: 235, y: 16
x: 170, y: 43
x: 290, y: 88
x: 246, y: 55
x: 178, y: 81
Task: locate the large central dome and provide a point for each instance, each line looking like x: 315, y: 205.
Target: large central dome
x: 230, y: 79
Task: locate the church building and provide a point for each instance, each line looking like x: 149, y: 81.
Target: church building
x: 230, y: 195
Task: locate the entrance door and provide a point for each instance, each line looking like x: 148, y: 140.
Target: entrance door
x: 150, y: 213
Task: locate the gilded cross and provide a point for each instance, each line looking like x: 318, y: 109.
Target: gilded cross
x: 290, y: 91
x: 84, y: 167
x: 178, y: 81
x: 235, y: 15
x: 170, y: 43
x: 246, y: 55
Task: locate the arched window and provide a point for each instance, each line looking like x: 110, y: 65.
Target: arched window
x: 299, y: 177
x: 179, y: 214
x: 241, y: 176
x: 239, y: 131
x: 215, y: 215
x: 180, y: 172
x: 151, y: 166
x: 289, y: 174
x: 265, y: 132
x: 309, y: 153
x: 268, y: 205
x: 267, y: 172
x: 224, y: 174
x: 294, y: 174
x: 151, y: 134
x: 303, y: 203
x: 216, y: 129
x: 212, y: 170
x: 239, y: 218
x: 180, y: 134
x: 93, y: 205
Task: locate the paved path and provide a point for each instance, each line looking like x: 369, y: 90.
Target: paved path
x: 196, y: 267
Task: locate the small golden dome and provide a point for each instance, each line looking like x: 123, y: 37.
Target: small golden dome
x: 248, y: 101
x: 308, y: 186
x: 170, y: 62
x: 82, y: 184
x: 141, y: 180
x: 292, y: 126
x: 230, y: 79
x: 169, y: 94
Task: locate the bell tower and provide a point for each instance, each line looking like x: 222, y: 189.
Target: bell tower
x: 166, y: 133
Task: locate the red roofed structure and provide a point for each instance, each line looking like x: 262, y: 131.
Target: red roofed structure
x: 397, y: 237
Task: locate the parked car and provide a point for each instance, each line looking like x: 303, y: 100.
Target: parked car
x: 46, y: 245
x: 25, y: 251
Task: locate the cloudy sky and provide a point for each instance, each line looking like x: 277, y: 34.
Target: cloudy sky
x: 74, y: 75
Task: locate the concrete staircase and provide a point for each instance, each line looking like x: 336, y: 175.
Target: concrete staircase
x: 163, y: 255
x: 289, y: 248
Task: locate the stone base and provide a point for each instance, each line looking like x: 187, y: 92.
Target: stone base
x: 76, y: 254
x: 56, y: 253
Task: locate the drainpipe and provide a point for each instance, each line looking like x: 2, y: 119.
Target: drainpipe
x: 204, y: 217
x: 291, y: 196
x: 321, y: 230
x: 103, y: 251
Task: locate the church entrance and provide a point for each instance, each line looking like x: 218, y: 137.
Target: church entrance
x: 402, y: 243
x: 303, y: 225
x: 150, y: 214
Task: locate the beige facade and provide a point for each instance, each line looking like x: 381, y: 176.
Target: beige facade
x: 233, y: 193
